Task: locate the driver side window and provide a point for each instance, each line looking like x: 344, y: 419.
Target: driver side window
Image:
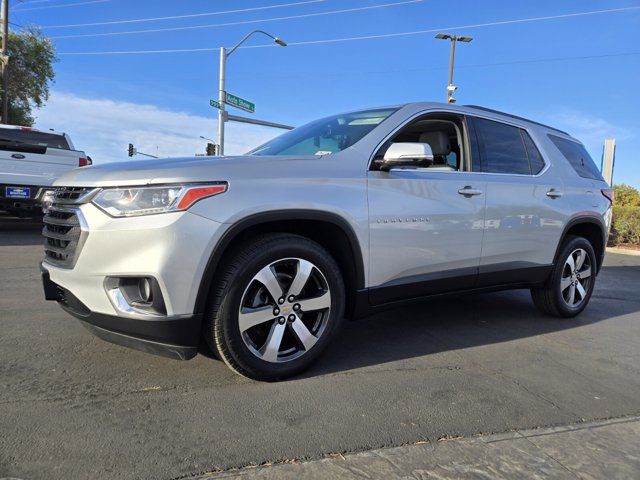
x: 443, y: 133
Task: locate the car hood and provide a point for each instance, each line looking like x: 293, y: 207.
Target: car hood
x: 180, y: 170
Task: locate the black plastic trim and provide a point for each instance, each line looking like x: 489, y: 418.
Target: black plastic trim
x: 424, y: 285
x: 266, y: 217
x: 593, y: 219
x: 491, y: 278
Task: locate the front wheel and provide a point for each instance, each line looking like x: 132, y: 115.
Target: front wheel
x: 275, y: 307
x: 571, y: 283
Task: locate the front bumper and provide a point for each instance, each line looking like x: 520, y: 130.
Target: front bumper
x: 171, y: 249
x: 174, y: 337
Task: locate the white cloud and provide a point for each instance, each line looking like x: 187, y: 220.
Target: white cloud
x: 103, y: 128
x: 589, y: 129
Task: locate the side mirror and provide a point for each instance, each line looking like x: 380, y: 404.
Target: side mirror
x: 406, y: 154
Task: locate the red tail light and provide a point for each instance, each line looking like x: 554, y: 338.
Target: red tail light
x: 84, y: 162
x: 608, y: 194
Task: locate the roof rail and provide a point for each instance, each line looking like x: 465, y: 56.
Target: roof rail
x: 476, y: 107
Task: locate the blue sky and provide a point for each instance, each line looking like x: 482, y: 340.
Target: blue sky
x: 579, y: 73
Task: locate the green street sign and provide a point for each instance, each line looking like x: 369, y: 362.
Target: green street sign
x: 214, y: 103
x: 240, y: 103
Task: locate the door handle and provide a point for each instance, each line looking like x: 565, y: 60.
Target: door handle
x: 469, y: 191
x: 553, y: 193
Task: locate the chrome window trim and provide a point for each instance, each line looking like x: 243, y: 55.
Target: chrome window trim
x: 547, y: 163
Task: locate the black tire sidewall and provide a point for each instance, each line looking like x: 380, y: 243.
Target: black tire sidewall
x: 226, y: 325
x: 573, y: 244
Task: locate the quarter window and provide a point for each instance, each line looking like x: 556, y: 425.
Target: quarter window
x: 502, y: 148
x: 578, y: 157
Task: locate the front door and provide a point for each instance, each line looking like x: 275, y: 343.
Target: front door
x: 426, y: 231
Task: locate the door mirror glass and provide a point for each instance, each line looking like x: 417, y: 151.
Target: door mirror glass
x: 406, y: 154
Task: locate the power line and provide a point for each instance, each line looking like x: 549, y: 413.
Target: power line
x: 77, y: 4
x: 365, y: 37
x: 242, y: 22
x: 176, y: 17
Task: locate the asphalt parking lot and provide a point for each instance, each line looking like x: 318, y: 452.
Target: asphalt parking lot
x: 73, y: 406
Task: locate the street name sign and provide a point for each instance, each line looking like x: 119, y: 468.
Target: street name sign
x: 214, y: 103
x: 240, y: 103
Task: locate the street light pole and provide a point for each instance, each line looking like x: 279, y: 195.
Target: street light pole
x: 452, y: 57
x: 222, y: 95
x: 222, y: 100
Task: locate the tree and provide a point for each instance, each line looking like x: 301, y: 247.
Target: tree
x: 31, y: 58
x: 626, y: 195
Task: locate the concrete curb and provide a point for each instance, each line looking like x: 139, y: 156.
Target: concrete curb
x: 601, y: 449
x: 623, y: 251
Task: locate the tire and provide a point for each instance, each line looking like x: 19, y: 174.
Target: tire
x: 577, y: 274
x: 247, y: 327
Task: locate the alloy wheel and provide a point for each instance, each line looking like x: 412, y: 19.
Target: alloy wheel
x: 576, y: 278
x: 284, y: 310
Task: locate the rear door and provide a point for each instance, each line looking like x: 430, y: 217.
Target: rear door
x: 524, y: 217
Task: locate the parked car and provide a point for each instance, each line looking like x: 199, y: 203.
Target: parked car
x: 30, y: 160
x: 262, y: 255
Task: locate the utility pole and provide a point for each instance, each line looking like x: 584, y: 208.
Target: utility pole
x: 452, y: 57
x: 4, y: 61
x: 222, y: 94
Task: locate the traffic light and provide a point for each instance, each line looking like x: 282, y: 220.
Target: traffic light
x: 211, y: 149
x: 132, y: 151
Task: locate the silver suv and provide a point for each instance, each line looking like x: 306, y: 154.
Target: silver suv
x: 261, y: 256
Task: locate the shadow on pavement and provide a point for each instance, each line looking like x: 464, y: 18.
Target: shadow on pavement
x: 464, y: 321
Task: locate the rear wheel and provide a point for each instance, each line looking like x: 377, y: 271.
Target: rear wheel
x: 571, y: 284
x: 275, y: 307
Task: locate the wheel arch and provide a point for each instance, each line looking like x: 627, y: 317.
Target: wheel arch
x: 590, y: 227
x: 330, y: 230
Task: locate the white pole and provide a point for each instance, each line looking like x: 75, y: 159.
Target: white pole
x: 221, y: 100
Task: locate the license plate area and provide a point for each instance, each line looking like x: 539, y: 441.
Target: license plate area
x: 23, y: 193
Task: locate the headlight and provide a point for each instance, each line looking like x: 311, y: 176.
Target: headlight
x: 134, y: 201
x: 48, y: 197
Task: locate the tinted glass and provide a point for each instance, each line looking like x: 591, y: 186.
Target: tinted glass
x: 535, y: 159
x: 578, y: 157
x: 502, y: 148
x: 325, y: 136
x: 26, y: 137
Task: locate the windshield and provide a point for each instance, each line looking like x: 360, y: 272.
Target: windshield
x: 325, y: 136
x: 30, y: 137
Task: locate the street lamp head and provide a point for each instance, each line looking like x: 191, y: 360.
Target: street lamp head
x: 280, y: 42
x: 464, y: 39
x: 443, y: 36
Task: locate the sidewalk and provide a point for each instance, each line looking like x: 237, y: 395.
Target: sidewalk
x: 607, y: 449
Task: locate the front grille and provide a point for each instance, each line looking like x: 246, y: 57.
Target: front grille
x: 63, y: 232
x: 70, y: 194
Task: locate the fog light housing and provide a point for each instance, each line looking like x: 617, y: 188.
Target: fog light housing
x: 136, y: 296
x: 145, y: 290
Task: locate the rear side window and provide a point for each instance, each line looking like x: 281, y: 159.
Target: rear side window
x: 578, y: 157
x: 501, y: 147
x: 12, y: 136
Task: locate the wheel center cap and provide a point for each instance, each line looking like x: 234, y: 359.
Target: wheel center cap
x: 286, y: 309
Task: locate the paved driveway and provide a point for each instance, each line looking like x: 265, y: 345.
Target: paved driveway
x: 73, y: 406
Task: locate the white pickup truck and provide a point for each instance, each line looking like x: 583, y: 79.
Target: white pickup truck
x: 30, y: 160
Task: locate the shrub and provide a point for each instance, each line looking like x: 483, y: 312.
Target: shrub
x: 626, y: 225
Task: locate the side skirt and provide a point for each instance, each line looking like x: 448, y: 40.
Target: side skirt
x: 386, y: 297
